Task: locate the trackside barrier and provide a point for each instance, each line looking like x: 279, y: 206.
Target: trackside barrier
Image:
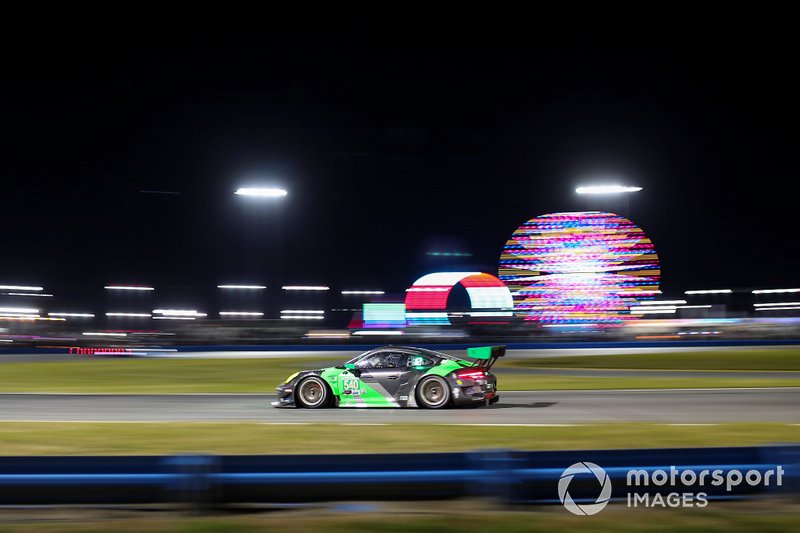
x: 510, y: 476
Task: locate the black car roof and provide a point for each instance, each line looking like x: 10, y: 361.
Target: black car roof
x: 419, y: 350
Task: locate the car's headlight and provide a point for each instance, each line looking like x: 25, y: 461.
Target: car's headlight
x: 290, y: 378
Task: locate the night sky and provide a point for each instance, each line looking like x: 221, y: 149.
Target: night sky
x: 390, y: 148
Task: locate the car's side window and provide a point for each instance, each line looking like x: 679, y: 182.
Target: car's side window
x: 395, y: 360
x: 383, y: 360
x: 370, y: 361
x: 418, y: 360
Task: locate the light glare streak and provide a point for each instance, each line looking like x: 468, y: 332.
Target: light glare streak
x: 177, y: 312
x: 709, y: 291
x: 774, y: 291
x: 18, y: 310
x: 328, y: 334
x: 362, y: 292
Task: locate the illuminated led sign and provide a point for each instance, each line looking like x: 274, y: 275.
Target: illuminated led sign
x: 381, y: 315
x: 426, y: 299
x: 583, y: 268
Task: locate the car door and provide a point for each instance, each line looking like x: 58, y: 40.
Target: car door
x: 387, y: 373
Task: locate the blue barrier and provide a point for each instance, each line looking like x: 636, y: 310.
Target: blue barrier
x: 510, y: 476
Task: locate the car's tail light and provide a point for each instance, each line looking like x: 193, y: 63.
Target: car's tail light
x: 471, y: 374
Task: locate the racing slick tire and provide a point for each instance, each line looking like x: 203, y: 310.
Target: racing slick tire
x: 312, y: 393
x: 433, y: 393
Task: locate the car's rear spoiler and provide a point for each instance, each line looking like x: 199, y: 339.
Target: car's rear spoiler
x: 486, y: 355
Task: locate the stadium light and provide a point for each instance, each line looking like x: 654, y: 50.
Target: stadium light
x: 261, y: 192
x: 242, y: 287
x: 606, y: 189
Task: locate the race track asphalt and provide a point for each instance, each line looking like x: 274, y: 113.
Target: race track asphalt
x: 674, y: 406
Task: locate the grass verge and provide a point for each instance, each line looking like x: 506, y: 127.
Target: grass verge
x: 120, y: 438
x: 772, y: 359
x: 155, y: 376
x: 457, y: 516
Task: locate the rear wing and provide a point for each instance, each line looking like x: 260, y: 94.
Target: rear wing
x: 486, y: 355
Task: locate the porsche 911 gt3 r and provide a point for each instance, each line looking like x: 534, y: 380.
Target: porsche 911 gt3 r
x: 397, y: 376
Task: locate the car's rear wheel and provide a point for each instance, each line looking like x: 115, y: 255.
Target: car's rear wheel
x: 433, y: 393
x: 312, y: 393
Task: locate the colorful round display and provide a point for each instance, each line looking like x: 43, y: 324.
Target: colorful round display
x: 583, y: 269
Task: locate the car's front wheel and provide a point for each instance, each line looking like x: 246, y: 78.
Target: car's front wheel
x: 433, y: 393
x: 312, y: 393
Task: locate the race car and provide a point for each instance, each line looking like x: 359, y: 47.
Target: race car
x: 397, y: 376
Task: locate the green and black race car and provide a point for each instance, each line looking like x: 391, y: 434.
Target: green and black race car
x: 397, y: 376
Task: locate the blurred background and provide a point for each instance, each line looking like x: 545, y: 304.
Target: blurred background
x: 192, y: 213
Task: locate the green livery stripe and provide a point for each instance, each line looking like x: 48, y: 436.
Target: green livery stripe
x: 363, y: 394
x: 444, y: 368
x: 366, y: 396
x: 331, y: 377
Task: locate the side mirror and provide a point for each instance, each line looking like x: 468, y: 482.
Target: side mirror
x: 350, y: 366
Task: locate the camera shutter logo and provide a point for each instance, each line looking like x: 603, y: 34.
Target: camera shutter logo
x: 586, y: 508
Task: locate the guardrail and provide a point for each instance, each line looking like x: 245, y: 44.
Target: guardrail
x: 510, y: 476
